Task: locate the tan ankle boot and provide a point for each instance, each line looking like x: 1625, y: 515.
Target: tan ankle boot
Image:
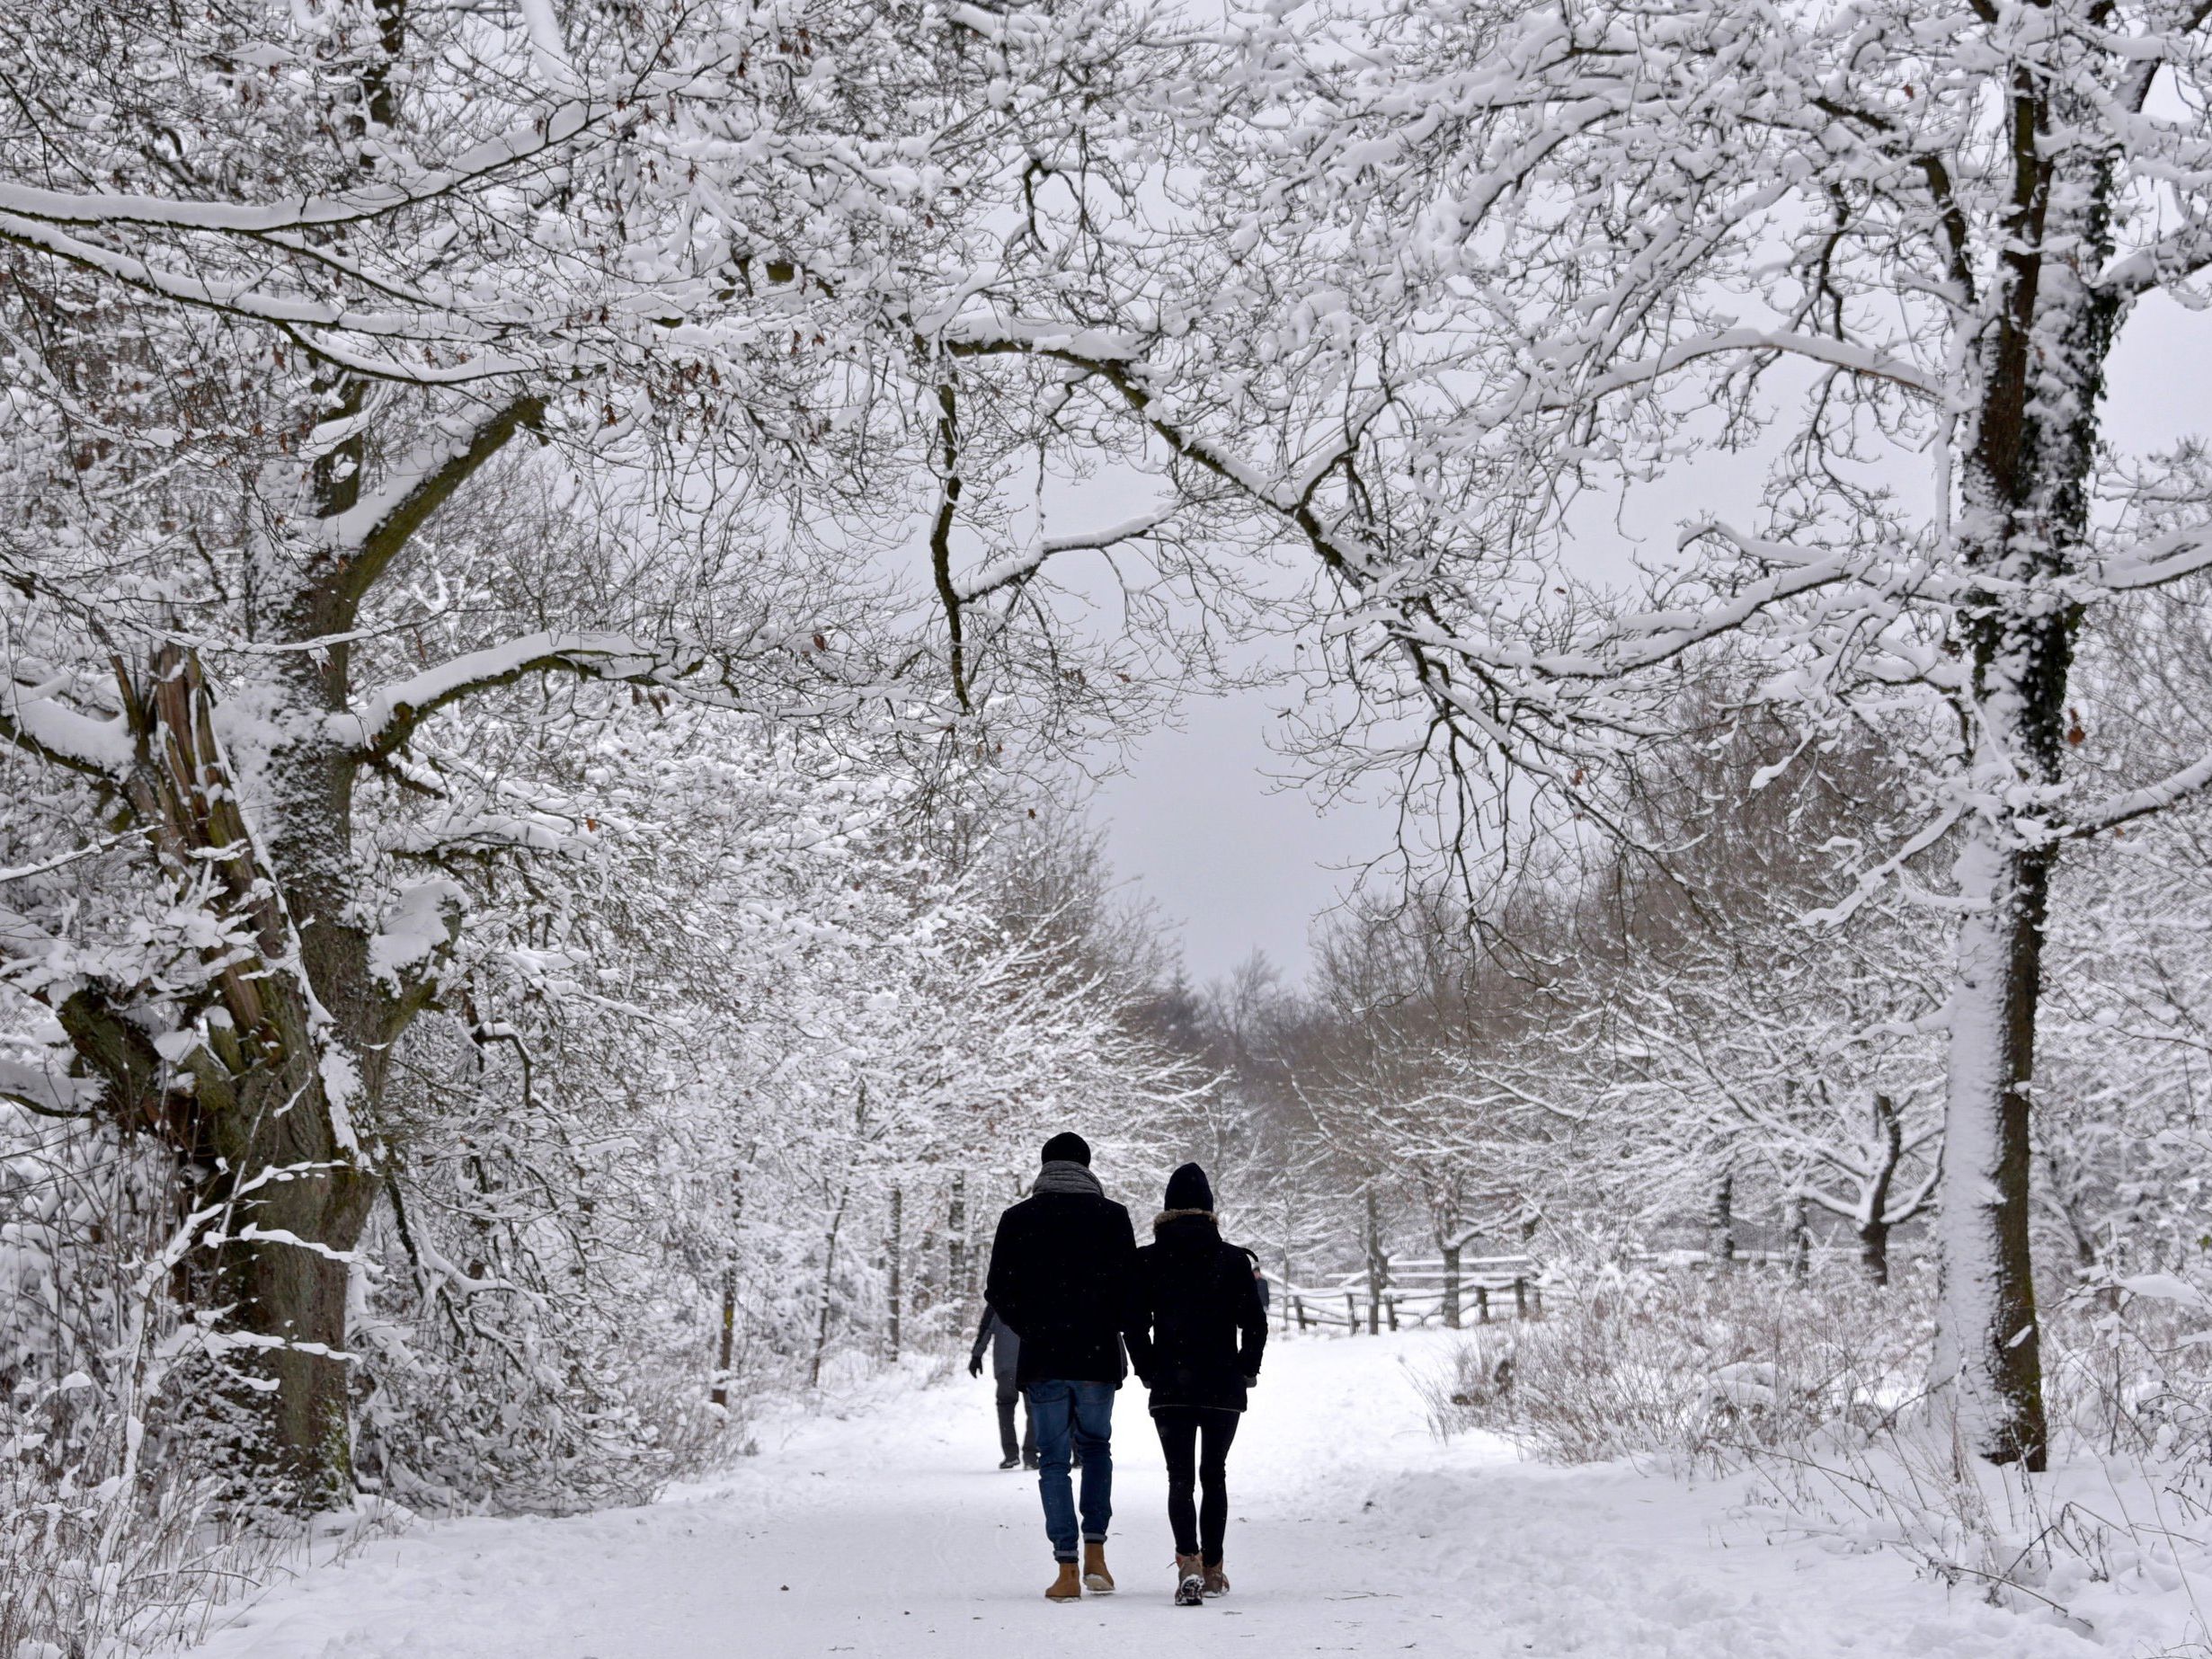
x: 1217, y: 1581
x: 1067, y: 1587
x: 1096, y: 1578
x: 1190, y: 1581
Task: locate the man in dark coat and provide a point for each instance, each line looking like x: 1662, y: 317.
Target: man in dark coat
x: 1060, y: 1279
x: 1005, y: 1362
x: 1202, y: 1329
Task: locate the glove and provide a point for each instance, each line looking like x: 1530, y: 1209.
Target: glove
x: 1252, y: 1382
x: 975, y: 1365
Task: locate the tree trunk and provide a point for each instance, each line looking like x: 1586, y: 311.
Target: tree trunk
x: 1874, y: 1251
x: 956, y: 1246
x: 1452, y: 1285
x: 1800, y: 1239
x: 829, y: 1289
x: 254, y: 1107
x: 1988, y: 1349
x: 288, y: 1300
x: 727, y: 1344
x: 2067, y: 1193
x: 898, y: 1263
x: 1723, y: 1224
x: 1378, y: 1266
x: 1874, y: 1206
x: 2040, y: 345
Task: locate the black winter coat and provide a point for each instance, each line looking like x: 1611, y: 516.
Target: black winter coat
x: 1061, y: 1279
x: 1203, y: 1329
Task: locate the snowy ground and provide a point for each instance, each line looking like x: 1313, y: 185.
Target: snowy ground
x: 889, y: 1532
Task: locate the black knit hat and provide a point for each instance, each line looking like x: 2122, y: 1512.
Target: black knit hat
x: 1067, y: 1147
x: 1188, y: 1189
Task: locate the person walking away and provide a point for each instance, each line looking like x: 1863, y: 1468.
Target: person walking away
x: 1061, y: 1279
x: 1005, y: 1361
x: 1201, y: 1332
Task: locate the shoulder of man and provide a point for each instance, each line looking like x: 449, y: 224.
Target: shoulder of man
x: 1092, y: 1204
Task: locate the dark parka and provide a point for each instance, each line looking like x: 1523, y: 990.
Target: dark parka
x: 1060, y: 1279
x: 1202, y: 1329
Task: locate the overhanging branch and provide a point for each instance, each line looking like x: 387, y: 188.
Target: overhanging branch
x: 370, y: 533
x: 385, y: 721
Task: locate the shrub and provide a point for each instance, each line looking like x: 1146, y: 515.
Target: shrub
x: 1818, y: 1391
x: 1636, y: 1360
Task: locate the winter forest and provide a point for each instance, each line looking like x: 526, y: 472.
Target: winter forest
x: 569, y: 568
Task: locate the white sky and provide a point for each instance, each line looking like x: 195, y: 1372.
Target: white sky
x: 1199, y: 827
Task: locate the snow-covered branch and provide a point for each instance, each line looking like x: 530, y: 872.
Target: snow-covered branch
x: 369, y: 532
x: 1018, y: 566
x: 34, y: 719
x: 387, y: 717
x: 2127, y: 807
x: 2157, y: 561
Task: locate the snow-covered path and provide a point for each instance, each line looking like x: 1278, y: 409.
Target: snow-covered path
x: 889, y: 1532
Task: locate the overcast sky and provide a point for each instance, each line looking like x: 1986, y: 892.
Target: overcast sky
x: 1197, y: 825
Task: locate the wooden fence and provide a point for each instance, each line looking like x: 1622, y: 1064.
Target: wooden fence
x: 1413, y: 1292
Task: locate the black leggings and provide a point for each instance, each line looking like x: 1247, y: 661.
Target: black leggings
x: 1180, y: 1430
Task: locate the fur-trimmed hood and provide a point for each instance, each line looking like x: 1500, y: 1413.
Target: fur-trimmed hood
x: 1166, y: 1216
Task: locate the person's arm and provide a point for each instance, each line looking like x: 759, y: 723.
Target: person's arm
x: 1252, y: 1326
x: 1136, y: 1319
x: 1001, y: 1293
x: 982, y: 1341
x: 1137, y: 1330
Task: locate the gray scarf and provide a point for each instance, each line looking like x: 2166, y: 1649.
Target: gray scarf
x: 1064, y: 1174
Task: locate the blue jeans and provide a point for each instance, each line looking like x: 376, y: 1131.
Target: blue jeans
x: 1083, y: 1412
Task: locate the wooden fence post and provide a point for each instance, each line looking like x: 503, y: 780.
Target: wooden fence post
x: 1482, y: 1304
x: 1351, y: 1312
x: 1391, y: 1301
x: 1520, y: 1298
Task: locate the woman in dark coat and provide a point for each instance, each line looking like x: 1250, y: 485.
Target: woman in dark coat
x: 1199, y: 1334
